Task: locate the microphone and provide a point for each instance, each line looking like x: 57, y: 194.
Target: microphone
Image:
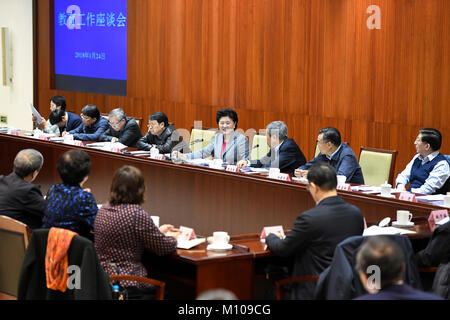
x: 196, y: 141
x: 255, y: 146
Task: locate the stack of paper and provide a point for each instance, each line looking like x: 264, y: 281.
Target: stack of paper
x: 188, y: 244
x: 376, y: 230
x: 106, y: 145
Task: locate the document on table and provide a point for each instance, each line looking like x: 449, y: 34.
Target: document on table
x: 106, y: 145
x: 36, y: 114
x: 198, y: 162
x: 376, y: 230
x: 188, y: 244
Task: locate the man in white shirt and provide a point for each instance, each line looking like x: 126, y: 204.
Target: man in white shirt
x: 429, y: 170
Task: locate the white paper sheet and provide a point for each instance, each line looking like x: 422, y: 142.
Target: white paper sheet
x: 376, y: 230
x: 36, y: 114
x: 188, y: 244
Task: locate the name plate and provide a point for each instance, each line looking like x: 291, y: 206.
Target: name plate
x: 344, y: 186
x: 232, y: 168
x: 406, y: 196
x: 186, y: 234
x: 43, y: 137
x: 281, y: 176
x: 115, y: 149
x: 158, y: 156
x: 268, y: 230
x: 14, y: 132
x: 435, y: 217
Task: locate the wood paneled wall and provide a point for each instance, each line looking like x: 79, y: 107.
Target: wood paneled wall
x: 310, y: 63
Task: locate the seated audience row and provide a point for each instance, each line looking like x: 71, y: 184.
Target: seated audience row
x: 123, y: 230
x: 427, y: 173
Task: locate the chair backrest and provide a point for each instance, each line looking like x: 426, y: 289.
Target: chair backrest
x: 201, y: 137
x: 377, y: 165
x: 159, y: 285
x: 340, y: 281
x: 14, y: 238
x: 317, y: 151
x: 259, y: 147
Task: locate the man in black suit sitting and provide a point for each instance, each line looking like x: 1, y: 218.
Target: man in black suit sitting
x: 19, y: 198
x: 284, y: 152
x: 122, y: 129
x: 317, y: 231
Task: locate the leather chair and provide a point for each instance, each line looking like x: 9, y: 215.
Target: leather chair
x: 159, y: 285
x: 377, y: 165
x: 200, y: 137
x: 259, y: 147
x: 14, y: 238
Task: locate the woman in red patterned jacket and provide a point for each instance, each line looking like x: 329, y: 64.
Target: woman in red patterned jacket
x: 123, y: 230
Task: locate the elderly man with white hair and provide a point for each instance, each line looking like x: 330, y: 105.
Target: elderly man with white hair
x: 20, y: 199
x: 284, y: 152
x: 122, y: 129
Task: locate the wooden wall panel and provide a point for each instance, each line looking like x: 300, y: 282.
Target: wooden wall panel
x: 311, y: 63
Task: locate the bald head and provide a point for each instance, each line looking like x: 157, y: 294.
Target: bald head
x: 27, y: 162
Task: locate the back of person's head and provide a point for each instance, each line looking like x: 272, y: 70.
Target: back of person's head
x: 73, y: 166
x: 91, y: 111
x: 322, y: 175
x: 332, y: 135
x: 431, y: 136
x: 217, y: 294
x: 56, y: 116
x: 159, y: 117
x: 127, y: 187
x: 383, y: 253
x: 278, y: 129
x: 27, y: 161
x: 59, y: 101
x: 118, y: 113
x: 227, y: 112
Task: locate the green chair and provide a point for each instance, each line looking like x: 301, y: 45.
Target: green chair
x: 200, y: 137
x: 259, y: 147
x: 377, y: 165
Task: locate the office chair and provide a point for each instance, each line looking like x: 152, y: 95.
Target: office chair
x: 14, y: 238
x: 377, y: 165
x: 200, y: 137
x: 259, y: 147
x: 159, y: 285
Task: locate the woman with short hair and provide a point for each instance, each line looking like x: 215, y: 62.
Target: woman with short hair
x: 228, y: 144
x: 123, y: 230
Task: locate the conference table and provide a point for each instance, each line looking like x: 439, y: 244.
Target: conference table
x: 207, y: 200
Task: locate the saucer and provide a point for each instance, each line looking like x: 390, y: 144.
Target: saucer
x: 219, y: 247
x: 409, y: 225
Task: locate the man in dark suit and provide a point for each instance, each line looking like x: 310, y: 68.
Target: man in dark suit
x: 317, y: 231
x: 92, y: 127
x: 19, y: 198
x: 122, y: 129
x: 338, y: 154
x: 284, y: 152
x: 161, y: 135
x: 381, y: 263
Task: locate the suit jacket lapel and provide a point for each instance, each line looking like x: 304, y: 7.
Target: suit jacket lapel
x: 230, y: 143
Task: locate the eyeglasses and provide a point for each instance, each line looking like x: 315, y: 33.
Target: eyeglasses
x: 85, y: 117
x: 150, y: 125
x: 115, y: 123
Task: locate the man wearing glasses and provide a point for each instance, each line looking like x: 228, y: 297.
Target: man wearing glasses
x: 92, y: 127
x: 316, y: 232
x: 336, y: 153
x: 161, y: 135
x: 121, y: 129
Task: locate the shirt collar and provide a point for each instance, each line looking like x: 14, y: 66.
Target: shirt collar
x: 331, y: 157
x: 430, y: 157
